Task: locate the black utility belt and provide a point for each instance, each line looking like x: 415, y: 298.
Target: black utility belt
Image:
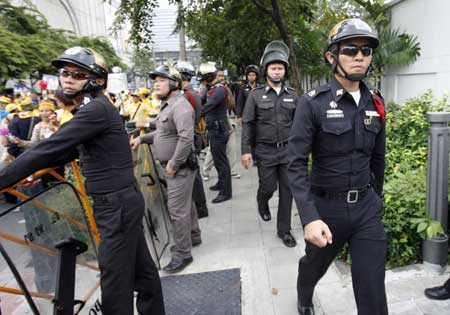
x: 351, y: 196
x: 275, y: 144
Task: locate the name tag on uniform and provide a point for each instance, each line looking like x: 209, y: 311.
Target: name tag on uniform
x: 288, y: 100
x: 335, y: 113
x: 372, y: 113
x: 264, y: 96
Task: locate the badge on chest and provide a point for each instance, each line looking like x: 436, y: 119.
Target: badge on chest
x: 334, y: 112
x: 370, y: 114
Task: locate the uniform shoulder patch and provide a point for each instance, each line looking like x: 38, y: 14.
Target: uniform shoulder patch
x: 318, y: 90
x: 376, y: 92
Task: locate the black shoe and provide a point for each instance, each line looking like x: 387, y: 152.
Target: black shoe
x: 214, y: 187
x: 437, y: 293
x: 176, y: 265
x: 265, y: 216
x: 221, y: 198
x: 287, y: 239
x: 263, y: 209
x: 305, y: 310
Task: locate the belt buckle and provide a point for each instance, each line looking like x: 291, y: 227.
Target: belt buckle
x: 351, y: 193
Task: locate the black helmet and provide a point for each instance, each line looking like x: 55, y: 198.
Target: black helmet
x: 348, y: 29
x: 207, y: 71
x: 252, y: 68
x: 84, y: 58
x: 89, y: 60
x: 167, y: 72
x: 275, y: 52
x: 352, y: 28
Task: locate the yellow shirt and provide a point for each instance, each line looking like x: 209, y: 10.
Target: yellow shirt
x: 138, y: 111
x: 65, y: 117
x: 153, y: 106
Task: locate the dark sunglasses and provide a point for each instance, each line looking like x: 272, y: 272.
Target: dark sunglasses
x: 352, y: 50
x: 74, y: 74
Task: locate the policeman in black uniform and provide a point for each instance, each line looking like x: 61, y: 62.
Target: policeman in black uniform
x: 342, y: 125
x: 97, y: 133
x: 251, y: 77
x: 267, y: 119
x: 215, y: 112
x: 187, y: 71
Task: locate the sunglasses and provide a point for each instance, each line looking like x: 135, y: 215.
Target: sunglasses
x: 352, y: 50
x: 77, y: 75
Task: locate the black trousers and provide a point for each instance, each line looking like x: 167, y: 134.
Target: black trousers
x: 124, y: 259
x: 198, y: 195
x: 272, y: 172
x: 360, y: 225
x: 218, y: 139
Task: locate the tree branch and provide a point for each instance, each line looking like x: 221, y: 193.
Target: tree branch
x: 262, y: 7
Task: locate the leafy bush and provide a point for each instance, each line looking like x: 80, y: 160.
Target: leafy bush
x: 404, y: 217
x: 405, y: 182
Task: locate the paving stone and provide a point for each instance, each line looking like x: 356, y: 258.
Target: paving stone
x: 281, y: 256
x: 335, y: 298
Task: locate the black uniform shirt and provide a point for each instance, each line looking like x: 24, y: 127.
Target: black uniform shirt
x: 244, y: 91
x: 347, y: 143
x: 267, y: 116
x: 215, y: 108
x: 99, y: 134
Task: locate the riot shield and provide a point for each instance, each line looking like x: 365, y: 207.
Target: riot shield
x: 28, y: 234
x: 156, y: 220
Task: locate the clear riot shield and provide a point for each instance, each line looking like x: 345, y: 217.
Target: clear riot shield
x: 156, y: 220
x: 28, y: 234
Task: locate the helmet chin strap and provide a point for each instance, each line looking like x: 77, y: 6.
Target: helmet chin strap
x: 350, y: 77
x: 274, y: 79
x: 91, y: 86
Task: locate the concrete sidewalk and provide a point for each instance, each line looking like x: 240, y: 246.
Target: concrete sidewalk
x: 234, y: 236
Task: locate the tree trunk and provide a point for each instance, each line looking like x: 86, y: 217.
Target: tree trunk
x: 181, y: 36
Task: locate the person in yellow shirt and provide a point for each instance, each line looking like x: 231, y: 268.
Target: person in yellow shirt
x: 137, y: 110
x: 152, y: 101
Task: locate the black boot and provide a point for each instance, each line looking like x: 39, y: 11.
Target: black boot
x: 263, y: 208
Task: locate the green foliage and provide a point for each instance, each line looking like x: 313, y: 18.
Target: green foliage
x: 404, y: 215
x: 407, y: 132
x: 140, y: 14
x: 29, y: 43
x: 142, y: 61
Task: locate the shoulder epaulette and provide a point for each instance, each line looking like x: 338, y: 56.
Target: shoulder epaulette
x: 376, y: 92
x: 318, y: 90
x: 259, y: 87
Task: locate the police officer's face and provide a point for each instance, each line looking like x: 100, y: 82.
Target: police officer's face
x: 161, y: 87
x: 276, y: 71
x: 251, y: 77
x: 358, y: 63
x: 74, y: 79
